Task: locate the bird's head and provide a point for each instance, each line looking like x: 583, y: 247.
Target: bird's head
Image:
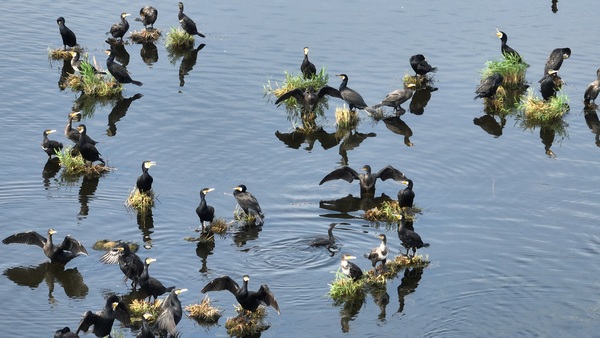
x: 124, y: 15
x: 347, y: 257
x: 150, y: 260
x: 240, y: 187
x: 81, y: 128
x: 51, y: 231
x: 149, y: 164
x: 180, y: 291
x: 205, y: 191
x: 49, y: 131
x: 305, y: 50
x: 246, y: 278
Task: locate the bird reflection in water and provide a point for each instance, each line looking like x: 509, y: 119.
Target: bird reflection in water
x: 51, y: 168
x: 121, y: 55
x: 301, y: 136
x: 408, y: 285
x: 348, y: 204
x: 420, y: 100
x: 591, y: 119
x: 118, y: 112
x: 149, y: 53
x: 65, y: 71
x: 188, y: 62
x: 351, y: 139
x: 490, y: 125
x: 554, y: 6
x: 203, y: 250
x: 397, y: 126
x: 245, y: 234
x: 381, y: 299
x: 31, y: 276
x: 550, y: 133
x: 145, y: 222
x: 86, y: 192
x: 350, y: 309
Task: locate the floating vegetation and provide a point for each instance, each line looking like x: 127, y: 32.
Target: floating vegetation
x: 141, y: 201
x: 139, y: 307
x: 204, y: 313
x: 510, y: 68
x: 76, y: 165
x: 219, y: 226
x: 388, y: 212
x: 419, y: 81
x: 247, y: 323
x: 345, y: 288
x: 106, y: 245
x: 240, y: 216
x: 178, y: 39
x: 93, y: 84
x: 61, y: 54
x: 346, y: 118
x: 145, y: 36
x: 538, y: 111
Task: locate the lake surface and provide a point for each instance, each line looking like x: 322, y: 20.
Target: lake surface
x: 514, y: 232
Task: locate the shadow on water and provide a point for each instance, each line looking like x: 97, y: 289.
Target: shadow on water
x: 145, y: 221
x: 51, y: 168
x: 591, y: 119
x: 204, y: 249
x: 86, y: 193
x: 490, y: 125
x: 397, y: 126
x: 65, y: 71
x: 245, y: 234
x: 149, y: 53
x: 348, y: 204
x: 188, y: 62
x: 31, y: 276
x: 408, y: 284
x: 420, y: 100
x: 118, y: 112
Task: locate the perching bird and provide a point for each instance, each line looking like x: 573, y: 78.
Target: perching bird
x: 489, y: 86
x: 406, y: 196
x: 420, y: 65
x: 591, y: 93
x: 397, y: 97
x: 119, y: 29
x: 188, y: 25
x: 145, y: 330
x: 171, y: 313
x: 505, y: 49
x: 309, y: 97
x: 379, y: 254
x: 103, y: 320
x: 76, y: 63
x: 61, y: 254
x: 548, y: 85
x: 350, y: 269
x: 152, y: 286
x: 87, y: 150
x: 308, y: 68
x: 366, y: 180
x: 555, y: 60
x: 409, y: 238
x: 119, y: 72
x: 50, y: 146
x: 205, y: 212
x: 248, y: 203
x: 65, y: 332
x: 144, y: 181
x: 148, y: 15
x: 352, y: 98
x: 130, y: 264
x: 249, y: 300
x: 68, y: 37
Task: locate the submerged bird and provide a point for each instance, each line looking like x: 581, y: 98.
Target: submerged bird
x: 130, y: 264
x: 152, y: 286
x: 591, y: 93
x: 248, y: 203
x: 171, y: 313
x: 504, y: 48
x: 352, y: 98
x: 62, y: 253
x: 350, y: 269
x: 489, y: 86
x: 119, y: 29
x: 249, y: 300
x: 119, y: 72
x: 87, y: 150
x: 309, y: 97
x: 406, y: 196
x: 329, y: 242
x: 548, y: 84
x: 145, y: 330
x: 50, y: 146
x: 420, y: 65
x: 379, y: 254
x: 555, y: 60
x: 397, y: 97
x: 148, y: 15
x: 103, y: 320
x: 308, y: 68
x: 65, y: 332
x: 144, y: 181
x: 188, y: 25
x: 68, y: 37
x: 205, y: 212
x: 366, y: 180
x: 409, y: 238
x: 76, y: 62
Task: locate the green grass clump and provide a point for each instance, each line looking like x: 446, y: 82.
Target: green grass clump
x: 75, y: 164
x: 345, y: 118
x: 138, y: 307
x: 538, y: 111
x: 345, y: 288
x: 178, y: 39
x: 388, y: 212
x: 204, y: 313
x: 92, y: 84
x: 510, y: 68
x: 140, y: 201
x: 247, y: 323
x: 145, y: 36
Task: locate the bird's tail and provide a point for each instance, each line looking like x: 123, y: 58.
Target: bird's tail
x: 101, y: 160
x: 137, y: 83
x: 426, y: 245
x: 201, y: 35
x: 434, y: 69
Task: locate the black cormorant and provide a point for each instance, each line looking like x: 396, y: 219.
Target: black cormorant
x: 309, y: 97
x: 329, y: 241
x: 68, y: 37
x: 171, y: 313
x: 249, y: 300
x: 409, y: 238
x: 350, y: 269
x: 119, y: 72
x: 119, y: 29
x: 489, y: 86
x: 248, y: 203
x: 145, y: 330
x: 308, y: 68
x: 144, y: 181
x: 397, y: 97
x: 130, y: 264
x: 50, y: 146
x: 188, y: 25
x: 420, y: 65
x: 205, y: 212
x: 379, y: 254
x: 65, y: 332
x: 152, y: 286
x: 352, y: 98
x: 103, y: 320
x: 367, y: 180
x: 555, y: 60
x: 591, y: 93
x: 62, y: 253
x: 548, y: 84
x: 406, y: 196
x: 73, y: 134
x: 87, y: 150
x: 504, y: 48
x: 148, y: 15
x: 76, y: 62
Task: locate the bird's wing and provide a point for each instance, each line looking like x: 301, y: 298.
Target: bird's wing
x: 343, y: 173
x: 166, y: 321
x: 73, y: 245
x: 327, y: 90
x: 390, y: 172
x: 29, y: 237
x: 122, y: 314
x: 89, y: 319
x: 221, y: 283
x: 297, y: 93
x: 110, y: 257
x: 268, y: 297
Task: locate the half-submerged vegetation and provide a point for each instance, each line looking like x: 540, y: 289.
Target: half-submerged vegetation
x: 538, y: 111
x: 74, y: 164
x: 94, y: 85
x: 145, y: 35
x: 179, y: 40
x: 510, y: 67
x: 388, y: 211
x: 141, y: 201
x: 204, y: 313
x: 247, y: 323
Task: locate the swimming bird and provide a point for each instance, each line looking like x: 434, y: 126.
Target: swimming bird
x: 119, y: 29
x: 249, y: 300
x: 248, y: 203
x: 50, y: 146
x: 148, y: 15
x: 76, y: 62
x: 152, y: 286
x: 328, y: 242
x: 103, y: 320
x: 420, y: 65
x: 489, y: 86
x: 68, y: 37
x: 591, y: 93
x: 65, y: 332
x: 130, y: 264
x: 366, y: 180
x: 350, y: 269
x: 188, y: 25
x: 309, y: 97
x: 308, y: 68
x: 555, y: 60
x: 119, y: 72
x: 144, y: 181
x: 397, y: 97
x: 548, y: 84
x: 61, y: 254
x: 145, y: 330
x: 352, y: 98
x: 171, y: 313
x: 205, y: 212
x: 87, y: 150
x: 409, y: 238
x: 504, y: 48
x: 406, y: 196
x: 379, y: 254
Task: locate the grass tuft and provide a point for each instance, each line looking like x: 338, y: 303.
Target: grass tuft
x: 247, y: 323
x: 538, y: 111
x: 204, y: 313
x: 60, y: 54
x: 346, y: 119
x: 345, y: 288
x: 511, y: 69
x: 145, y: 36
x: 138, y: 307
x: 75, y: 164
x: 106, y: 245
x: 92, y: 84
x: 140, y: 201
x: 418, y: 81
x: 178, y: 40
x: 388, y: 211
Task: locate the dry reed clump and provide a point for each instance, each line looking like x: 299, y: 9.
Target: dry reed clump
x: 204, y: 313
x: 145, y: 36
x: 418, y: 81
x: 138, y: 307
x: 247, y: 323
x: 346, y: 118
x: 538, y: 111
x: 141, y: 201
x: 107, y: 244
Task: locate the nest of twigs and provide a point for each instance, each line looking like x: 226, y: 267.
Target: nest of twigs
x: 145, y: 36
x: 247, y: 323
x: 204, y: 313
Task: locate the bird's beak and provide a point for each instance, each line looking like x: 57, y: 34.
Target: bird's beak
x: 51, y: 131
x: 350, y: 257
x: 114, y: 305
x: 52, y: 231
x: 180, y: 291
x: 150, y: 260
x: 107, y: 52
x: 210, y: 189
x: 127, y: 14
x: 149, y: 164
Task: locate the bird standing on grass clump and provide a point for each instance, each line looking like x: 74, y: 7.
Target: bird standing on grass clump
x: 119, y: 72
x: 308, y: 68
x: 152, y: 286
x: 249, y: 300
x: 506, y: 49
x: 379, y: 254
x: 188, y: 25
x: 420, y: 65
x: 205, y: 212
x: 148, y: 16
x: 68, y: 37
x: 249, y: 204
x: 144, y: 181
x: 76, y: 62
x: 87, y: 150
x: 366, y: 180
x: 50, y: 146
x: 406, y: 196
x: 352, y: 97
x: 548, y: 85
x: 555, y: 60
x: 309, y: 98
x: 489, y: 86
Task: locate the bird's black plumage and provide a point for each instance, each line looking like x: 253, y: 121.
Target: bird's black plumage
x: 119, y: 72
x: 103, y: 320
x: 188, y: 25
x: 61, y: 254
x: 148, y: 16
x: 65, y: 332
x: 145, y: 330
x: 409, y: 238
x: 309, y: 97
x: 248, y: 203
x: 152, y: 286
x: 119, y: 29
x: 366, y: 180
x: 205, y: 212
x: 352, y: 97
x: 329, y: 241
x: 50, y: 146
x: 379, y: 254
x: 548, y: 86
x: 506, y: 49
x: 130, y: 264
x: 68, y: 37
x: 308, y: 68
x: 489, y: 86
x: 87, y: 150
x: 420, y: 65
x: 591, y: 93
x: 350, y: 269
x: 555, y: 60
x: 144, y: 181
x: 249, y: 300
x: 406, y: 196
x: 397, y: 97
x: 171, y: 313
